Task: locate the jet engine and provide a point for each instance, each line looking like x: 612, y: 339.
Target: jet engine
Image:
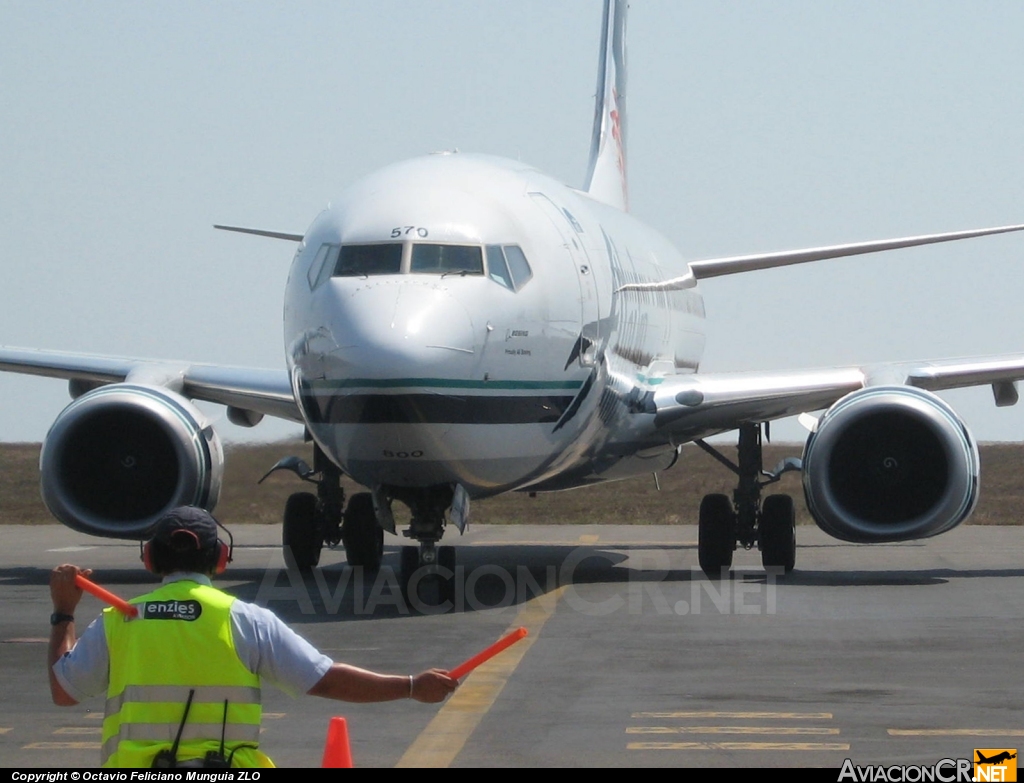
x: 120, y: 456
x: 890, y: 464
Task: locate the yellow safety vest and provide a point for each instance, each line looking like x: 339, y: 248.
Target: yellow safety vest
x: 180, y: 641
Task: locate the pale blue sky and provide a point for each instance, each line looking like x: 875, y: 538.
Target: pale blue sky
x: 127, y: 129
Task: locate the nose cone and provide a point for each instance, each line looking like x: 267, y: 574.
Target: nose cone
x: 399, y: 329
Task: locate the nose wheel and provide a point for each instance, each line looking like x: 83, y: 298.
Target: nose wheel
x: 427, y: 577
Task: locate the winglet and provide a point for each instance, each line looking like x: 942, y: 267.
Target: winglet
x: 606, y: 172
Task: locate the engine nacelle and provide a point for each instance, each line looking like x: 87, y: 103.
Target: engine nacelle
x: 890, y: 464
x: 118, y: 457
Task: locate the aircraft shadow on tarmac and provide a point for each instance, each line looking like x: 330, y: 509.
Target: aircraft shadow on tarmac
x: 486, y: 577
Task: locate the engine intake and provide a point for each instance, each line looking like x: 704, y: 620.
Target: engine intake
x: 890, y: 464
x: 118, y: 457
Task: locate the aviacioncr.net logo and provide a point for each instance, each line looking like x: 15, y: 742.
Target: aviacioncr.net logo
x: 942, y: 771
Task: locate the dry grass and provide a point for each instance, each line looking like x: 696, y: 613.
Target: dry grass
x: 632, y: 502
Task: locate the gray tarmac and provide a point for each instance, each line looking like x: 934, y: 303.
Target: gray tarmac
x: 893, y: 654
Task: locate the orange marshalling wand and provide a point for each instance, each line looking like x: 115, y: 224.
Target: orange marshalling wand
x: 120, y: 604
x: 503, y: 643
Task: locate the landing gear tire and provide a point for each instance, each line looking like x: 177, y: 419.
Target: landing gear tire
x: 446, y: 557
x: 360, y: 533
x: 410, y: 561
x: 432, y: 588
x: 300, y: 534
x: 446, y: 560
x: 777, y: 533
x: 716, y: 535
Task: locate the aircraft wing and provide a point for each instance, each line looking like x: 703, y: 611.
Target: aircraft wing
x: 734, y: 265
x: 694, y: 405
x: 265, y: 392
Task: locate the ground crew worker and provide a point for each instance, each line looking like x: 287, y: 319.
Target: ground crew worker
x: 183, y: 678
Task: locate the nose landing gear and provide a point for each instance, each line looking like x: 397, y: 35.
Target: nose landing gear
x: 427, y: 575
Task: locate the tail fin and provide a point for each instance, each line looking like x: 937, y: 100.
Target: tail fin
x: 606, y: 172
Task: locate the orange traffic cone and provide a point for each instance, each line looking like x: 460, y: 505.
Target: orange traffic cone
x: 336, y: 750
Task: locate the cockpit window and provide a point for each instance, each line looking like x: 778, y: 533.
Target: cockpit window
x: 497, y: 268
x: 518, y: 265
x: 446, y: 259
x: 323, y: 265
x: 506, y: 264
x: 362, y: 260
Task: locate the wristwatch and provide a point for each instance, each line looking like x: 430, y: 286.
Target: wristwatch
x: 57, y: 618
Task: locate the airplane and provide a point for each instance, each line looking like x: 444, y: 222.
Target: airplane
x: 1003, y: 756
x: 459, y: 326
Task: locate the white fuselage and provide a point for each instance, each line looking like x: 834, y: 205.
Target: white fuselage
x: 410, y: 377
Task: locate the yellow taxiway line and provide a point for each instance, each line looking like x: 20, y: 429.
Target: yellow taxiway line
x: 737, y: 746
x: 445, y: 736
x: 956, y: 732
x: 774, y: 730
x: 61, y: 746
x: 737, y: 715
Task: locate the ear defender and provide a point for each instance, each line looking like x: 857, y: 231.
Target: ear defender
x: 146, y: 556
x: 225, y: 552
x: 223, y: 558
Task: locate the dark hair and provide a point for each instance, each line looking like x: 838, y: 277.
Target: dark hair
x: 182, y: 554
x: 185, y: 539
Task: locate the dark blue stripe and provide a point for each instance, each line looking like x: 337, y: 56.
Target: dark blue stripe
x: 434, y: 409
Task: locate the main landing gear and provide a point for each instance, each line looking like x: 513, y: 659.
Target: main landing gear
x: 311, y: 520
x: 745, y: 519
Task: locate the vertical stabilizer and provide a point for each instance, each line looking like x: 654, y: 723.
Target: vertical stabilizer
x: 606, y: 172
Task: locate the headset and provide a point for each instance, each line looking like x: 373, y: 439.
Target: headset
x: 216, y: 561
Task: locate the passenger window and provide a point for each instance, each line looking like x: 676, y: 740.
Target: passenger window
x: 518, y: 265
x: 323, y: 265
x: 447, y: 259
x: 363, y: 260
x: 497, y: 268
